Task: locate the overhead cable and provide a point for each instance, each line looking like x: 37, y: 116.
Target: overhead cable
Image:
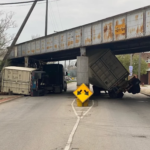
x: 14, y: 3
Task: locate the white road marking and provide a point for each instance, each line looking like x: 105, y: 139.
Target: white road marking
x: 74, y: 108
x: 88, y: 110
x: 72, y: 134
x: 67, y: 147
x: 81, y: 111
x: 78, y: 107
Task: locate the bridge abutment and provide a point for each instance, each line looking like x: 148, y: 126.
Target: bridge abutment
x: 82, y: 73
x: 26, y: 61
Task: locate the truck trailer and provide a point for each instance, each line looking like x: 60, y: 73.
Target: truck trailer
x: 55, y: 81
x: 32, y: 81
x: 107, y: 73
x: 22, y: 80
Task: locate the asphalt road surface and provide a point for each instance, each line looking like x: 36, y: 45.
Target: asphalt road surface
x: 53, y: 122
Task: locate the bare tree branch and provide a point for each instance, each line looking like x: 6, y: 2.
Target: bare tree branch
x: 6, y: 22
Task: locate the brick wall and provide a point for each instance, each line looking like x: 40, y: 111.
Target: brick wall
x: 144, y: 78
x: 149, y: 77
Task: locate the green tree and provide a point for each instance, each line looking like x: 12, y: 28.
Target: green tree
x: 125, y: 60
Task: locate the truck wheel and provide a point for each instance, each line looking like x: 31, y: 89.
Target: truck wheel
x: 65, y: 90
x: 112, y: 94
x: 57, y: 89
x: 57, y: 92
x: 120, y: 95
x: 65, y: 86
x: 96, y: 91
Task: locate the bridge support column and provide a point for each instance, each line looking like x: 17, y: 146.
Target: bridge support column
x: 82, y: 73
x: 26, y: 61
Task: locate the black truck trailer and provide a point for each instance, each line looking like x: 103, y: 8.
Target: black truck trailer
x: 55, y: 78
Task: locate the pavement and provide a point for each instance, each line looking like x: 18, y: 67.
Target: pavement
x: 145, y: 90
x: 37, y: 123
x: 6, y: 98
x: 122, y: 124
x: 53, y: 122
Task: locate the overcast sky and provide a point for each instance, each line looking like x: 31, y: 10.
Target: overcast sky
x: 65, y: 14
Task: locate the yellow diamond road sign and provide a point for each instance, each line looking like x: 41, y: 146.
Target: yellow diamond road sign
x: 83, y: 93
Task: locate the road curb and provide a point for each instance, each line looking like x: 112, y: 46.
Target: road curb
x: 145, y: 91
x: 145, y: 94
x: 10, y: 99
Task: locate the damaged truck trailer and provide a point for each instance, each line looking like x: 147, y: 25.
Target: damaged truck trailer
x: 107, y: 73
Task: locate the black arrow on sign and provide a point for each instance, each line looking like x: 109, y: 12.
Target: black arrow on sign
x: 86, y: 92
x: 79, y: 92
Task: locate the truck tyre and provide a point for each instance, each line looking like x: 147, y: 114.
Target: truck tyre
x: 60, y: 90
x: 112, y: 94
x: 96, y: 91
x: 65, y: 89
x: 65, y: 86
x: 57, y: 89
x: 120, y: 95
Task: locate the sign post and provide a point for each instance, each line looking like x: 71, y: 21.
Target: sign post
x: 130, y: 71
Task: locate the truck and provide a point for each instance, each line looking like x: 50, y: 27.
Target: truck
x: 32, y: 81
x: 55, y: 81
x: 107, y: 73
x: 22, y: 80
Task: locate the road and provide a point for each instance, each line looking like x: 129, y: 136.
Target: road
x: 47, y: 123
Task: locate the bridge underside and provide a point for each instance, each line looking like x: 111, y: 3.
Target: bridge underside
x: 122, y: 47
